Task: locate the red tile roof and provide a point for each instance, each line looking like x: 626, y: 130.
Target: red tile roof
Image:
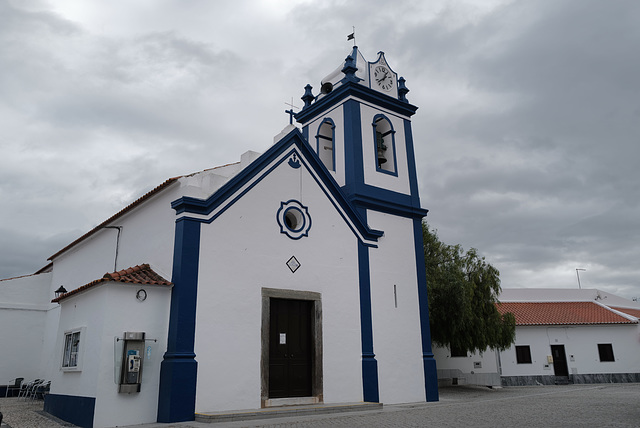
x: 561, y: 313
x: 141, y: 274
x: 629, y: 311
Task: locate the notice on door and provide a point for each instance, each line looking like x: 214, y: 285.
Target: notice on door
x: 283, y: 338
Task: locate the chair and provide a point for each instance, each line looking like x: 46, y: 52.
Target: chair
x: 17, y: 382
x: 27, y: 388
x: 40, y: 390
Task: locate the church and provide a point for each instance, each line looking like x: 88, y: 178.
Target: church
x: 292, y: 277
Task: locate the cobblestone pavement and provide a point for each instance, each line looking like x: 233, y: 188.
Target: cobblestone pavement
x: 601, y: 405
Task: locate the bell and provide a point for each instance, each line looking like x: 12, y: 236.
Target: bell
x: 381, y: 158
x: 381, y: 148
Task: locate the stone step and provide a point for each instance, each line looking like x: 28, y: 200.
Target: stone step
x: 284, y: 411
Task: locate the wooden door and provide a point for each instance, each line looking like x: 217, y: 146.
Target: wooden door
x: 290, y: 348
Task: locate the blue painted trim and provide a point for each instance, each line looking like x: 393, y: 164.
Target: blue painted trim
x: 71, y: 408
x: 394, y: 172
x: 387, y: 201
x: 179, y: 369
x: 429, y: 363
x: 330, y: 122
x: 305, y: 133
x: 224, y: 197
x: 354, y: 162
x: 369, y: 364
x: 362, y: 92
x: 411, y: 164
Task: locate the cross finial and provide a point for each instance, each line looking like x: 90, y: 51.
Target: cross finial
x: 290, y: 112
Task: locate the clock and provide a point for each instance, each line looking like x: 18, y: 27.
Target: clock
x: 141, y: 295
x: 383, y: 77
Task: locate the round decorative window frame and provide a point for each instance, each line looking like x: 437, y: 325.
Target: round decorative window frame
x: 294, y: 219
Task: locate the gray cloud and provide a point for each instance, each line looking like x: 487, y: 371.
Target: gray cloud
x: 526, y: 133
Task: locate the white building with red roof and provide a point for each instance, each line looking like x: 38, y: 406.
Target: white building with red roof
x: 562, y: 335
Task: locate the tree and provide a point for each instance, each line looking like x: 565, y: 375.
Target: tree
x: 463, y: 291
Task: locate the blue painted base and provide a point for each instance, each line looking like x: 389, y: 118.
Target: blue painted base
x: 370, y: 380
x: 77, y: 410
x: 177, y: 399
x: 430, y: 378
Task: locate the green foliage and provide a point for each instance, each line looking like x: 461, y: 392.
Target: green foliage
x: 463, y: 291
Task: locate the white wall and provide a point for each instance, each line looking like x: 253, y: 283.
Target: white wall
x: 243, y: 251
x: 151, y: 317
x: 24, y: 303
x: 581, y: 342
x: 468, y: 364
x: 107, y: 311
x: 397, y: 339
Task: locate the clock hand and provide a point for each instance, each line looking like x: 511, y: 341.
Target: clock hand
x: 382, y: 78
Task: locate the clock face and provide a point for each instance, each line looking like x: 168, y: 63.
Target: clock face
x: 383, y: 77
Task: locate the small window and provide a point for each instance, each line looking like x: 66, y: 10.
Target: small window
x: 458, y: 352
x: 72, y: 350
x: 523, y: 354
x: 606, y: 352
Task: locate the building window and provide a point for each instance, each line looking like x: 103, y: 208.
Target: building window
x: 523, y: 354
x: 326, y: 144
x: 457, y: 352
x: 384, y: 145
x: 72, y: 350
x: 606, y: 352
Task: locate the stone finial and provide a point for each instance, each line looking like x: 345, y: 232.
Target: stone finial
x: 350, y: 69
x: 308, y: 96
x: 402, y: 90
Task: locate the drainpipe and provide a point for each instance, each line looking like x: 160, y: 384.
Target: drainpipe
x: 119, y: 228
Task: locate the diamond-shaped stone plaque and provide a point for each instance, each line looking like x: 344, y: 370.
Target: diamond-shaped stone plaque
x: 293, y: 264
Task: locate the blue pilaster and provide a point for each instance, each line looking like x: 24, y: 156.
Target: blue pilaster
x: 354, y: 166
x: 428, y: 362
x: 178, y: 371
x: 354, y: 180
x: 369, y: 363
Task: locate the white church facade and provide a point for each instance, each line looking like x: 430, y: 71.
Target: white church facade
x: 295, y: 276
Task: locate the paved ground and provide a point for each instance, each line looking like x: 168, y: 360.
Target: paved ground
x: 602, y: 405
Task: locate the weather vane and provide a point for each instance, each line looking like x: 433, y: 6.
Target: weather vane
x: 352, y: 36
x: 290, y: 112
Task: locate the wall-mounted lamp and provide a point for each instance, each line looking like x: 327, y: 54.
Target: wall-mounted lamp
x: 60, y: 291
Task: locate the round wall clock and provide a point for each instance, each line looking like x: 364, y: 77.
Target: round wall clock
x: 383, y: 77
x: 141, y: 295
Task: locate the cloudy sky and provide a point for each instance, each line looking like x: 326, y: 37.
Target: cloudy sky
x: 526, y: 135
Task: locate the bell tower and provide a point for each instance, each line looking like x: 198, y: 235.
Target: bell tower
x: 359, y: 125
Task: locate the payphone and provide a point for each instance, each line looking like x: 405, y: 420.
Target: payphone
x: 132, y: 362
